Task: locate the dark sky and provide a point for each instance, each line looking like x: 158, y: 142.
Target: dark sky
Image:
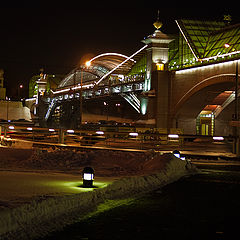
x: 57, y: 37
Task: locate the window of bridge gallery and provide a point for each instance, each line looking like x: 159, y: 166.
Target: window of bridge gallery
x: 205, y: 123
x: 180, y: 55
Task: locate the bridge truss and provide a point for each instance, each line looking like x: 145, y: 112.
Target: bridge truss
x: 105, y: 75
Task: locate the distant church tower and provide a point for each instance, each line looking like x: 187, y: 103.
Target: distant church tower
x: 2, y: 89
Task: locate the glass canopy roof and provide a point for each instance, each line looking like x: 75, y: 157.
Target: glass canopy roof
x: 223, y: 41
x: 197, y: 33
x: 98, y: 67
x: 202, y: 41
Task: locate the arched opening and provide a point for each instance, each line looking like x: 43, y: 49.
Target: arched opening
x: 201, y: 108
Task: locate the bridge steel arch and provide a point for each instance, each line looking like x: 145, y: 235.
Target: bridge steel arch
x: 97, y: 68
x: 91, y: 73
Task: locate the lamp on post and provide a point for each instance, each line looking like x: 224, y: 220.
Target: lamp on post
x: 88, y: 177
x: 87, y: 64
x: 7, y: 99
x: 236, y: 112
x: 20, y: 87
x: 236, y: 117
x: 81, y: 99
x: 176, y: 153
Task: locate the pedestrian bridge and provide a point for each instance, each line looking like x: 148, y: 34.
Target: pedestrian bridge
x: 186, y: 81
x: 104, y: 75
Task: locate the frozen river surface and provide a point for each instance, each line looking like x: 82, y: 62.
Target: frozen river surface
x: 17, y: 188
x: 205, y: 206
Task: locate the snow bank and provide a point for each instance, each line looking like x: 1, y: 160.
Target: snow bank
x: 105, y: 162
x: 13, y: 157
x: 41, y: 217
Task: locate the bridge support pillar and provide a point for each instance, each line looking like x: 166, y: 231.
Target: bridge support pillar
x: 5, y: 131
x: 160, y: 103
x: 61, y: 136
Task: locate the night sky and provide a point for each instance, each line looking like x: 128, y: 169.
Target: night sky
x: 57, y: 37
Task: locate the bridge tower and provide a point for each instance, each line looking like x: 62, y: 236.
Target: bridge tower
x: 40, y: 108
x: 155, y: 102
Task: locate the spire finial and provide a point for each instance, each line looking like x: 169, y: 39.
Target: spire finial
x: 157, y: 24
x: 227, y: 18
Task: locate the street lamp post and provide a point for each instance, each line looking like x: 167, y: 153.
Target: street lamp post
x: 20, y: 87
x: 87, y: 64
x: 236, y: 93
x: 81, y: 100
x: 236, y: 112
x: 236, y: 117
x: 7, y: 99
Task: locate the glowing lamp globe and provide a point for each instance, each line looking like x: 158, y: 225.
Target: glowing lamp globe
x: 88, y: 63
x: 157, y: 24
x: 88, y: 177
x: 176, y: 153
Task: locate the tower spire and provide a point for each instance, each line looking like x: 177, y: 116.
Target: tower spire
x: 158, y: 24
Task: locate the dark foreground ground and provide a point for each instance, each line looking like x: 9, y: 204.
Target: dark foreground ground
x: 204, y: 206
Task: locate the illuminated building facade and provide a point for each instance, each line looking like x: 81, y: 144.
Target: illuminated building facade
x: 204, y: 58
x: 52, y: 82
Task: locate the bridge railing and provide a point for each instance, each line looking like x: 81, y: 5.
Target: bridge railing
x: 100, y: 91
x: 113, y: 81
x: 123, y: 138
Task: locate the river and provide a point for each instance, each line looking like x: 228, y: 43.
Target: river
x: 204, y: 206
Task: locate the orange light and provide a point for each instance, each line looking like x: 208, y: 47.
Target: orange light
x: 88, y: 63
x: 226, y: 45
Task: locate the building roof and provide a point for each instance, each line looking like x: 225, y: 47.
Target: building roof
x: 224, y: 41
x: 208, y: 39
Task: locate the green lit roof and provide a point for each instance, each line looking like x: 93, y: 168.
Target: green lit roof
x: 224, y: 41
x: 197, y: 34
x: 202, y: 41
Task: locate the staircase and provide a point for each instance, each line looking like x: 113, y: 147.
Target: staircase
x: 132, y: 99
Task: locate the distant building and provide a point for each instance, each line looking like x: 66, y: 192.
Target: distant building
x: 14, y: 110
x: 2, y: 89
x: 51, y: 79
